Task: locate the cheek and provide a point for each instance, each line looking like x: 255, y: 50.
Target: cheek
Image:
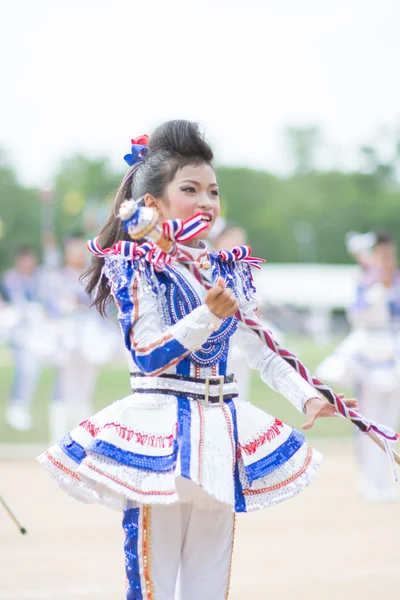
x: 179, y: 206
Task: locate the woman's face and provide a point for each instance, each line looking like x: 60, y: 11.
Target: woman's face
x: 194, y: 189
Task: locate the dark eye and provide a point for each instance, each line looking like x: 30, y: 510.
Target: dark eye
x: 190, y: 190
x: 215, y: 192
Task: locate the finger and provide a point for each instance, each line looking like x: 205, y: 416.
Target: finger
x: 351, y: 403
x: 229, y: 295
x: 229, y: 307
x: 235, y: 305
x: 310, y: 423
x: 216, y: 292
x: 220, y: 282
x: 225, y: 297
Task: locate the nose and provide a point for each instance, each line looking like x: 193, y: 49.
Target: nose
x: 205, y: 202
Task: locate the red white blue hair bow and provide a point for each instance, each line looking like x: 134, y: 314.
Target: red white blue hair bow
x: 138, y: 150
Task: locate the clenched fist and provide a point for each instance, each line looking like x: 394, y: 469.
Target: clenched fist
x: 221, y: 301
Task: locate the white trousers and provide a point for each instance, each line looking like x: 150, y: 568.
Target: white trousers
x: 25, y: 378
x: 383, y: 407
x: 178, y: 552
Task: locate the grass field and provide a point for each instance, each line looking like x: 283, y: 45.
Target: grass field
x: 113, y: 383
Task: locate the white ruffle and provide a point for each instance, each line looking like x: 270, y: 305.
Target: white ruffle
x: 181, y: 462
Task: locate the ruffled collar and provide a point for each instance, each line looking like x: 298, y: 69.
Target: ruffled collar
x: 198, y: 256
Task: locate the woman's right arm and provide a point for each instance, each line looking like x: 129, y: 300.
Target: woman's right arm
x: 154, y: 347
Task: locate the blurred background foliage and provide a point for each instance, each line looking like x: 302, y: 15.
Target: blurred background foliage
x: 299, y: 217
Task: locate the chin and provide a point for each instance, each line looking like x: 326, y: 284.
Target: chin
x: 204, y: 235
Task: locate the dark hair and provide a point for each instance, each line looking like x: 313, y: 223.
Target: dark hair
x: 74, y: 235
x: 24, y: 250
x: 383, y: 237
x: 173, y: 145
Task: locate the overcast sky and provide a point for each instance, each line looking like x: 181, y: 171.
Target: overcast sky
x: 87, y: 75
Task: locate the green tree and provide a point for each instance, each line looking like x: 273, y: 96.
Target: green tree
x: 82, y: 183
x: 20, y: 215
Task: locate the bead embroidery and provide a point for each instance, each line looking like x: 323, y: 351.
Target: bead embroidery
x: 183, y: 299
x: 146, y: 546
x: 201, y: 442
x: 265, y: 436
x: 129, y: 487
x: 277, y: 486
x: 61, y: 467
x: 231, y: 436
x: 144, y: 439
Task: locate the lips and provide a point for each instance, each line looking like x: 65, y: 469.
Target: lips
x: 206, y: 217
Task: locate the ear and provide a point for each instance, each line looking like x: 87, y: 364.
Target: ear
x: 150, y: 201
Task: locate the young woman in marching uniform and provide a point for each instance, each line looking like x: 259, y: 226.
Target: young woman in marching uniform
x: 183, y: 453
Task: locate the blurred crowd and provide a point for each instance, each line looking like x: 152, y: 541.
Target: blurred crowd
x: 46, y: 318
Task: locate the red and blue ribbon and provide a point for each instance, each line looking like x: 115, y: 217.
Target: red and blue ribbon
x: 138, y: 150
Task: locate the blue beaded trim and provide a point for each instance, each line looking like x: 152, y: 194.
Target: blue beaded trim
x: 240, y: 501
x: 130, y: 524
x: 158, y: 464
x: 182, y: 299
x: 277, y: 458
x: 72, y: 449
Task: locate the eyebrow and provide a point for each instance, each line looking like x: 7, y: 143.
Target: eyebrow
x: 196, y: 182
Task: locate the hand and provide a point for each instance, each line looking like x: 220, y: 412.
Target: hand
x: 316, y: 407
x: 221, y: 301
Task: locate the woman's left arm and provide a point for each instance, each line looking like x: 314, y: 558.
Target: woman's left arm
x: 275, y: 371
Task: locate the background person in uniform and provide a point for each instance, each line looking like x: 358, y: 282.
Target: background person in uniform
x: 20, y: 291
x: 83, y: 340
x: 368, y: 360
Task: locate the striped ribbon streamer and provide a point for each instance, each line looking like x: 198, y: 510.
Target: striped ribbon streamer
x: 130, y: 250
x: 174, y: 230
x: 242, y: 253
x: 266, y: 337
x: 177, y: 230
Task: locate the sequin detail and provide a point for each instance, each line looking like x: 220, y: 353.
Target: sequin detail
x: 130, y: 525
x: 130, y: 487
x: 182, y: 299
x: 200, y: 408
x: 157, y: 464
x: 265, y: 436
x: 277, y: 458
x: 63, y: 468
x: 184, y: 425
x: 231, y: 559
x: 182, y: 387
x: 272, y: 488
x: 125, y: 433
x: 146, y: 545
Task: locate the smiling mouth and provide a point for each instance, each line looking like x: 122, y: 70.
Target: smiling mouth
x: 206, y: 218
